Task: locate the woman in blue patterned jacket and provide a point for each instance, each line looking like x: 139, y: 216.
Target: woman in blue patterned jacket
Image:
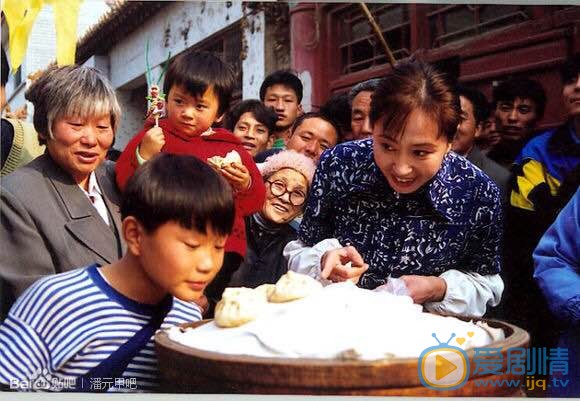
x: 401, y: 205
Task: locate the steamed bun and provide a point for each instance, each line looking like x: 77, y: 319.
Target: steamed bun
x: 292, y: 286
x: 238, y: 306
x: 221, y: 162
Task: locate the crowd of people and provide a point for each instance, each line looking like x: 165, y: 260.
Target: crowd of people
x: 408, y: 177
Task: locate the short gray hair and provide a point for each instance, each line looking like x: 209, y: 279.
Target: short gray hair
x: 365, y: 86
x: 71, y: 91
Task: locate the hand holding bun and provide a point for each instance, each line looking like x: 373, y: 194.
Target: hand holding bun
x: 221, y: 162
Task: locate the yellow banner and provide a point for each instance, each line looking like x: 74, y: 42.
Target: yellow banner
x: 20, y: 16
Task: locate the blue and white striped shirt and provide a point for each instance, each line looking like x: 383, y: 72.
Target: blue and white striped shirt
x: 66, y: 324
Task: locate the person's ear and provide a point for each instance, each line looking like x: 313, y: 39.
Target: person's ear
x: 300, y: 109
x: 133, y: 233
x: 478, y: 130
x: 270, y: 141
x: 449, y: 147
x: 220, y: 118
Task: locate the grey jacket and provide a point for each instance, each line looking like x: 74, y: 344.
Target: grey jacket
x: 48, y: 225
x: 498, y: 173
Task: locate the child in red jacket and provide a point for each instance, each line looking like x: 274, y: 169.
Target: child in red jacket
x: 199, y: 88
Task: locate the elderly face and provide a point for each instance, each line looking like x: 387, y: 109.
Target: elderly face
x: 360, y: 122
x: 79, y: 144
x: 286, y: 192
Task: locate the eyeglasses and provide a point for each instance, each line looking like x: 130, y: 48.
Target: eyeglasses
x: 278, y: 188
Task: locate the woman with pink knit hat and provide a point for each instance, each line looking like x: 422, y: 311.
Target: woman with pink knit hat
x: 288, y: 176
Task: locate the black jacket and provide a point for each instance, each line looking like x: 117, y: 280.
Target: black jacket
x: 264, y: 262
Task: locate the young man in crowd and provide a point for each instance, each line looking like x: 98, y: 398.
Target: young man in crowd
x: 519, y: 105
x: 360, y: 101
x: 546, y: 176
x: 473, y: 114
x: 253, y: 124
x: 282, y: 90
x: 311, y: 134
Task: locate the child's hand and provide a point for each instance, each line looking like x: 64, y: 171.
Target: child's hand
x: 152, y: 143
x: 237, y: 175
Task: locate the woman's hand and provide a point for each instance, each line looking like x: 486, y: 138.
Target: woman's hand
x: 425, y: 288
x: 237, y: 175
x: 333, y: 265
x: 152, y: 143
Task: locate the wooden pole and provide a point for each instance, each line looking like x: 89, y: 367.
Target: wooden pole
x: 378, y: 33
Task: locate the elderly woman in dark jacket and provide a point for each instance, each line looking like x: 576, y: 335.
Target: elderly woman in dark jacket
x: 288, y: 176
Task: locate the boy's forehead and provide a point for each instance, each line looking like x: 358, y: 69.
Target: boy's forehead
x: 208, y: 93
x: 519, y: 100
x: 280, y: 90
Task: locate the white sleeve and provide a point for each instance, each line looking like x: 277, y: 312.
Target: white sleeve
x: 468, y: 293
x: 306, y: 260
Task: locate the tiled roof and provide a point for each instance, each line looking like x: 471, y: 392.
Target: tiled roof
x: 122, y: 18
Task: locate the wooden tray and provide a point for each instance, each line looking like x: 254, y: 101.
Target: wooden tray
x: 189, y: 370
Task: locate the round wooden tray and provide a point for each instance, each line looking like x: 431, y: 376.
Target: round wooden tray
x: 191, y: 370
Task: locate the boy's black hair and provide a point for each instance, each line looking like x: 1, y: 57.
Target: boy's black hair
x: 262, y: 114
x: 197, y: 71
x: 522, y: 88
x: 478, y: 101
x: 570, y: 69
x: 5, y: 68
x: 282, y: 77
x: 315, y: 114
x: 182, y: 189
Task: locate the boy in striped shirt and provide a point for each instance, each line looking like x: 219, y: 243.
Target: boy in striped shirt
x: 91, y: 329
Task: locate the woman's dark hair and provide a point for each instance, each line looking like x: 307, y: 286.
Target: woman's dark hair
x: 197, y: 71
x: 415, y: 85
x: 522, y: 88
x: 282, y: 77
x: 262, y: 114
x: 182, y: 189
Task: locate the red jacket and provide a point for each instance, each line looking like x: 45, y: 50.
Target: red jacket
x: 221, y: 142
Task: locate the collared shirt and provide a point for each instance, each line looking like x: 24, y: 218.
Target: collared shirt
x: 96, y: 197
x: 452, y: 222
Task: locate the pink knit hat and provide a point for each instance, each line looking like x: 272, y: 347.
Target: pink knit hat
x: 289, y: 159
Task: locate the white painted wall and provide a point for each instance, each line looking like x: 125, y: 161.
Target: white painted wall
x: 175, y: 28
x: 254, y: 65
